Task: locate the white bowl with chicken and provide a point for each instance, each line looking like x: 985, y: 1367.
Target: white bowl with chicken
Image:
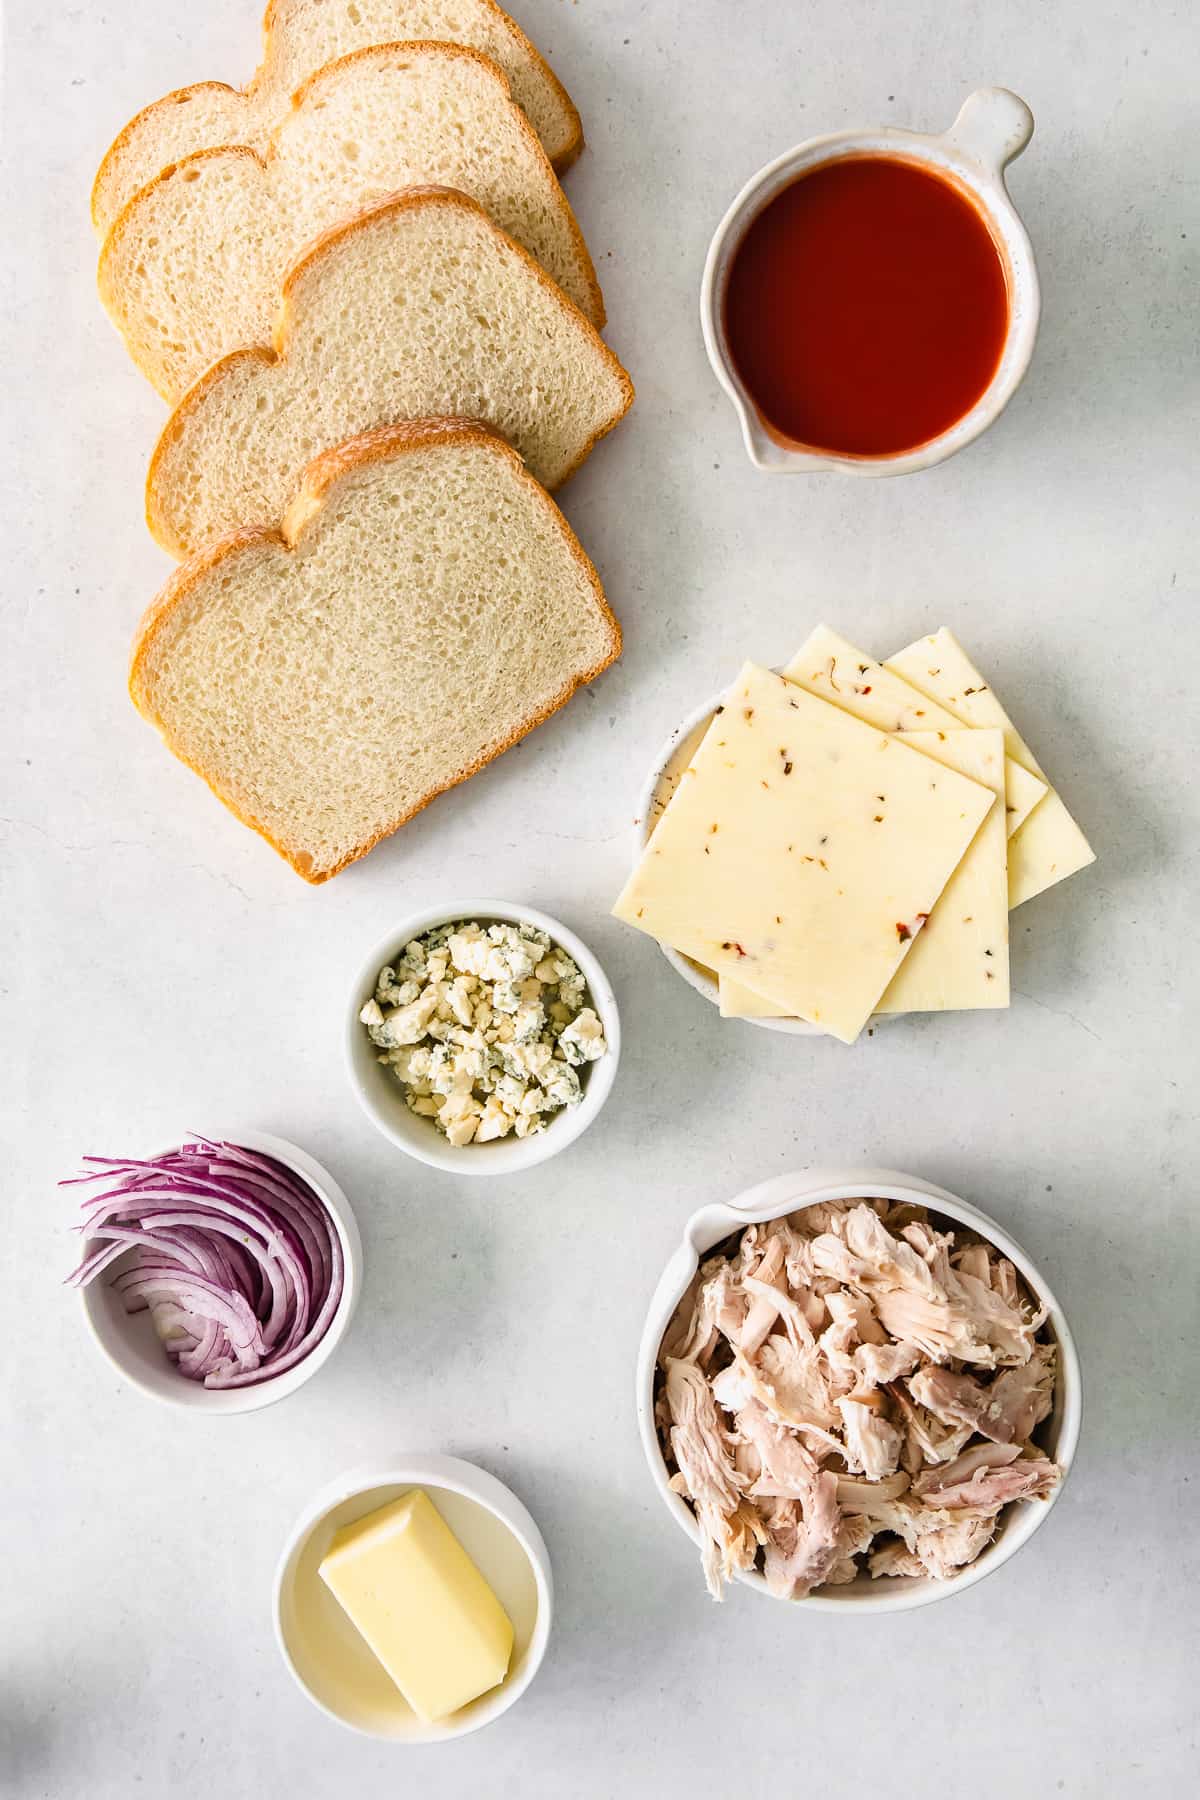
x: 855, y: 1390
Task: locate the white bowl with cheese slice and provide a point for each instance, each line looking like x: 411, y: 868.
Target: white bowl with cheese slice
x: 333, y: 1664
x: 720, y: 921
x: 1058, y: 1437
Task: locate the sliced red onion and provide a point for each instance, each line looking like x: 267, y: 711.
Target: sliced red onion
x: 236, y: 1257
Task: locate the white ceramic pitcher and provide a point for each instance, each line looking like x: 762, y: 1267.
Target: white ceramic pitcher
x: 992, y: 128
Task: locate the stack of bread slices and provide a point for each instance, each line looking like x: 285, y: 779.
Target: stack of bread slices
x: 362, y: 291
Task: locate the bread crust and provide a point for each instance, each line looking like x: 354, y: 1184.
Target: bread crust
x: 174, y: 98
x: 463, y: 52
x: 512, y: 31
x: 406, y: 200
x: 448, y: 52
x: 320, y: 478
x: 562, y: 161
x: 120, y: 226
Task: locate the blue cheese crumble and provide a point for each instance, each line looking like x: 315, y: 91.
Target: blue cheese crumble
x: 486, y: 1029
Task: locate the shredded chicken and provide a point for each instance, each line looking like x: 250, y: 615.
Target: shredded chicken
x: 894, y: 1558
x: 793, y: 1382
x: 877, y: 1364
x: 973, y: 1259
x: 919, y: 1297
x: 856, y: 1532
x: 872, y: 1442
x: 927, y: 1440
x: 1006, y: 1410
x: 988, y: 1476
x: 947, y: 1542
x: 964, y: 1467
x: 704, y: 1457
x: 765, y: 1297
x: 853, y: 1391
x: 803, y: 1540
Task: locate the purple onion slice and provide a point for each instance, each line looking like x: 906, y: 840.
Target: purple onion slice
x: 237, y: 1258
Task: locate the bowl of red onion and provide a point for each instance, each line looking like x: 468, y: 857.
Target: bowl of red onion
x: 219, y: 1275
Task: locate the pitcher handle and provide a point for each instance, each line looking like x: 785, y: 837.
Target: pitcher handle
x: 993, y: 126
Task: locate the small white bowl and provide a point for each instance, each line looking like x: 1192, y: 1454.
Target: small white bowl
x: 132, y: 1345
x: 659, y: 785
x: 381, y: 1096
x: 784, y: 1194
x: 992, y: 128
x: 333, y: 1665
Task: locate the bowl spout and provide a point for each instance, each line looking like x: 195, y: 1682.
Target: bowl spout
x: 768, y: 454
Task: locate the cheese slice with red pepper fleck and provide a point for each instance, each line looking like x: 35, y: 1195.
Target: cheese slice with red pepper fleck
x: 960, y: 957
x: 802, y: 851
x: 834, y: 669
x: 1049, y: 846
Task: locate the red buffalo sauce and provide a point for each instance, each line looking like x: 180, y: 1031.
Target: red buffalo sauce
x: 866, y: 307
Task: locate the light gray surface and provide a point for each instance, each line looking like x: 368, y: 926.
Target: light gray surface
x: 168, y: 972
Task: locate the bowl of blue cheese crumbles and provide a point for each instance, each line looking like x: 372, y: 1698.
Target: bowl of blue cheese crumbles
x: 484, y: 1039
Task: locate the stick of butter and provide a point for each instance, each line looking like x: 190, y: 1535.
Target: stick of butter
x: 960, y: 957
x: 406, y: 1582
x: 1050, y: 845
x: 802, y: 851
x: 834, y: 669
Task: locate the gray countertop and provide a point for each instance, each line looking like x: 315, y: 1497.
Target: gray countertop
x: 165, y: 971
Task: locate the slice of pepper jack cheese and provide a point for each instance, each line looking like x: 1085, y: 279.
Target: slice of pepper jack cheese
x: 831, y: 667
x: 1049, y: 846
x: 960, y: 958
x: 802, y: 852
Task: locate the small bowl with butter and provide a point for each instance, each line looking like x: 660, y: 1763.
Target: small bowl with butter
x: 482, y: 1038
x: 413, y: 1601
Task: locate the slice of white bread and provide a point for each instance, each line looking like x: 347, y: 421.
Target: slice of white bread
x: 301, y: 36
x: 424, y: 606
x: 418, y: 307
x: 192, y: 268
